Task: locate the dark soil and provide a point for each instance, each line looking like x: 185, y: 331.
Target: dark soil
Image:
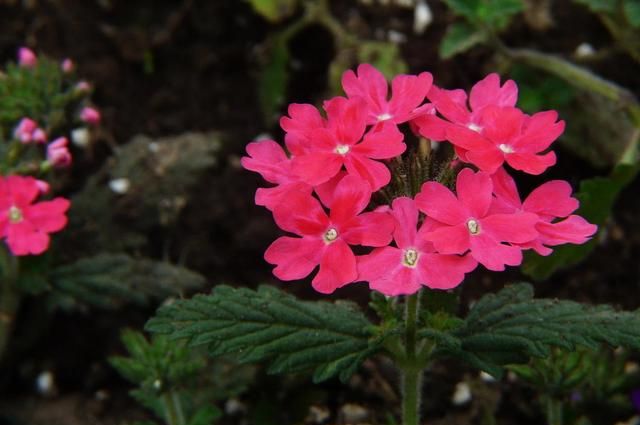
x: 164, y: 67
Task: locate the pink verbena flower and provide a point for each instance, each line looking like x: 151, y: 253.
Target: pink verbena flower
x: 26, y: 225
x: 414, y: 262
x: 465, y: 223
x: 299, y: 127
x: 268, y: 159
x: 67, y: 66
x: 342, y: 143
x: 324, y: 239
x: 26, y: 58
x: 27, y: 131
x: 452, y: 104
x: 506, y: 134
x: 58, y: 154
x: 550, y: 201
x: 407, y: 94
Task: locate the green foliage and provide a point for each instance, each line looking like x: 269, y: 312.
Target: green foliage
x: 274, y: 75
x: 110, y: 280
x: 495, y: 14
x: 599, y: 5
x: 161, y: 369
x: 459, y: 38
x: 632, y: 12
x: 511, y: 327
x: 597, y: 197
x: 385, y: 56
x: 274, y: 10
x: 270, y: 325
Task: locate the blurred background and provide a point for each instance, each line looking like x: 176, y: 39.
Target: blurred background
x: 183, y: 86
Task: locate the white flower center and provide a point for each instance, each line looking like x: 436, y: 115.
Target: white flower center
x: 506, y: 148
x: 384, y: 117
x: 473, y: 226
x: 330, y: 235
x: 342, y: 149
x: 15, y: 214
x: 410, y: 258
x: 474, y: 127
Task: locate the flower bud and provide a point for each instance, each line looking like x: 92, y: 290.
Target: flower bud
x: 24, y: 130
x: 67, y: 66
x: 90, y: 115
x: 58, y: 154
x: 43, y: 186
x: 26, y: 57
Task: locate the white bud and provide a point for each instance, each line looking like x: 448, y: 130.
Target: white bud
x: 462, y: 394
x: 422, y: 17
x: 584, y: 50
x: 45, y: 383
x: 80, y: 137
x: 120, y: 186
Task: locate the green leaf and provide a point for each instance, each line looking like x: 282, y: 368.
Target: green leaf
x: 274, y: 10
x: 270, y: 325
x: 111, y: 280
x: 272, y: 82
x: 597, y: 197
x: 632, y: 12
x: 206, y: 415
x: 511, y: 327
x: 599, y: 5
x: 459, y: 38
x: 466, y: 8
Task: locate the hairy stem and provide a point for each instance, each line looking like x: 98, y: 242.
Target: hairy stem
x: 173, y: 409
x: 411, y: 370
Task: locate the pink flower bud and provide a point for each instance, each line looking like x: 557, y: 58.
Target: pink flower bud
x: 83, y: 86
x: 43, y: 186
x: 67, y: 66
x: 26, y: 57
x: 39, y: 136
x: 58, y: 154
x: 90, y: 115
x: 24, y: 130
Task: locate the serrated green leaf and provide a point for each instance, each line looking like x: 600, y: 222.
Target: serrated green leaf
x: 459, y: 38
x: 111, y: 280
x: 270, y: 325
x: 511, y: 327
x: 597, y: 197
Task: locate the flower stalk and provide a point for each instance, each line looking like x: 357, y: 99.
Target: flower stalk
x: 411, y: 369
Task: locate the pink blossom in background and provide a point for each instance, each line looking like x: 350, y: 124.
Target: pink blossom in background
x: 407, y: 94
x: 341, y: 144
x: 550, y: 201
x: 43, y: 186
x: 90, y: 115
x: 27, y: 131
x: 83, y: 86
x: 26, y: 58
x: 24, y: 224
x: 465, y: 223
x: 414, y: 262
x: 67, y: 66
x: 58, y: 153
x: 324, y: 239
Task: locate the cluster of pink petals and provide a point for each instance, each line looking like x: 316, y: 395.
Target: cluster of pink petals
x: 27, y: 131
x: 58, y: 154
x: 90, y: 115
x: 332, y: 164
x: 24, y: 224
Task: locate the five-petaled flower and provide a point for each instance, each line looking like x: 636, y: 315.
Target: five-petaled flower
x: 26, y: 225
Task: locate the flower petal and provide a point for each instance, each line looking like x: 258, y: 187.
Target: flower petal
x: 295, y: 258
x: 48, y: 216
x: 369, y: 229
x: 553, y: 198
x: 316, y: 168
x: 474, y: 191
x: 302, y: 215
x: 439, y: 271
x: 351, y: 196
x: 450, y: 239
x: 488, y: 92
x: 375, y: 173
x: 24, y: 239
x: 507, y: 196
x: 368, y: 83
x: 385, y: 273
x: 266, y: 158
x: 516, y: 228
x: 574, y: 229
x: 405, y: 213
x: 337, y: 268
x: 438, y: 202
x: 530, y: 163
x: 493, y: 255
x: 407, y: 93
x: 448, y: 103
x: 382, y: 142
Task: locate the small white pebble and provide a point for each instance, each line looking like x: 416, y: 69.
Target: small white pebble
x: 422, y: 17
x: 584, y: 50
x: 120, y: 186
x: 153, y: 147
x: 486, y: 377
x: 462, y: 394
x: 80, y: 137
x: 396, y: 36
x: 45, y: 383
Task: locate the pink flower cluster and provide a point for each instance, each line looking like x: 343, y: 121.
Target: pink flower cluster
x: 435, y: 237
x: 24, y: 224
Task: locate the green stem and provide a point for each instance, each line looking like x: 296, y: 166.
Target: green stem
x: 173, y: 408
x: 411, y: 370
x: 9, y: 297
x: 554, y: 411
